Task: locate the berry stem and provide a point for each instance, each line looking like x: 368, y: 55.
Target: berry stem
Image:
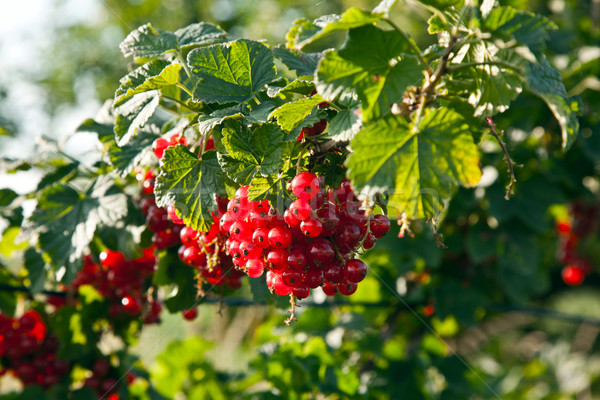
x: 292, y: 316
x: 509, y: 162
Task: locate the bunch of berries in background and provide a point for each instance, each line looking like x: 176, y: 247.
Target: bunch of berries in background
x: 572, y: 235
x: 29, y: 352
x: 312, y: 244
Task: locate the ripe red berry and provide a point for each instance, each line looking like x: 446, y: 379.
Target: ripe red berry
x: 277, y: 259
x: 101, y: 367
x: 255, y: 267
x: 225, y: 223
x: 379, y: 225
x: 260, y: 237
x: 311, y: 227
x: 190, y: 314
x: 334, y: 273
x: 300, y: 209
x: 329, y: 289
x: 131, y: 305
x: 329, y: 218
x: 369, y: 241
x: 301, y: 292
x: 306, y: 185
x: 573, y: 275
x: 279, y: 286
x: 241, y: 231
x: 320, y: 252
x: 172, y: 212
x: 159, y: 146
x: 313, y: 278
x: 194, y: 256
x: 188, y: 235
x: 355, y: 270
x: 280, y: 237
x: 292, y: 278
x: 297, y: 259
x: 290, y: 219
x: 111, y: 258
x: 249, y: 250
x: 347, y: 288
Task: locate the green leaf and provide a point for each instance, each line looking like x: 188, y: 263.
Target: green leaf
x: 251, y: 152
x: 229, y: 72
x: 545, y: 81
x: 132, y: 115
x: 147, y: 41
x: 105, y: 131
x: 384, y: 7
x: 138, y: 151
x: 418, y: 166
x: 441, y: 4
x: 290, y: 115
x: 7, y: 196
x: 297, y: 86
x: 156, y: 74
x: 67, y: 220
x: 352, y: 18
x: 191, y: 184
x: 36, y: 270
x: 273, y: 187
x: 296, y: 60
x: 525, y: 27
x: 199, y: 34
x: 345, y: 125
x: 490, y: 88
x: 55, y: 176
x: 373, y: 63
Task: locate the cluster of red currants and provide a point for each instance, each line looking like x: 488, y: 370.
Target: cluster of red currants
x: 312, y: 244
x: 584, y: 220
x: 29, y: 352
x: 121, y: 281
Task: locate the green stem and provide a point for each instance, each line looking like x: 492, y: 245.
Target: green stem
x: 410, y: 41
x: 185, y: 89
x: 176, y: 101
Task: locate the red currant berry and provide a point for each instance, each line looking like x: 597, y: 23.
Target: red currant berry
x: 131, y: 305
x: 329, y: 219
x: 334, y: 273
x: 573, y: 275
x: 260, y: 237
x: 355, y: 271
x: 241, y: 231
x: 279, y: 287
x: 292, y: 278
x: 188, y: 235
x: 311, y: 227
x: 194, y: 256
x: 234, y: 249
x: 157, y: 220
x: 320, y: 252
x: 190, y: 314
x: 329, y: 289
x: 159, y: 146
x: 225, y: 223
x: 280, y: 237
x: 313, y: 278
x: 297, y: 259
x: 301, y: 292
x: 369, y: 241
x: 146, y: 203
x: 249, y: 250
x: 172, y: 212
x: 306, y: 185
x: 289, y: 218
x: 101, y: 367
x: 277, y: 259
x: 379, y: 225
x: 300, y: 209
x: 347, y: 288
x: 255, y: 267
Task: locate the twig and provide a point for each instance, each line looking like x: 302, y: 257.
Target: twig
x: 292, y: 316
x: 436, y: 235
x: 507, y: 159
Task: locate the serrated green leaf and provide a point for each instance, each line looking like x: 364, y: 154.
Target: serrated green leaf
x: 67, y: 220
x: 374, y: 64
x: 156, y: 74
x: 435, y: 24
x: 344, y: 126
x: 291, y: 114
x: 147, y: 41
x: 191, y: 184
x: 57, y: 175
x: 272, y: 188
x: 545, y: 81
x: 138, y: 151
x: 490, y: 88
x: 36, y: 270
x: 105, y: 132
x: 304, y: 64
x: 418, y: 167
x: 234, y: 71
x: 297, y: 86
x: 525, y: 27
x: 132, y: 115
x: 199, y: 34
x: 301, y: 30
x: 352, y: 18
x: 250, y: 152
x: 7, y: 196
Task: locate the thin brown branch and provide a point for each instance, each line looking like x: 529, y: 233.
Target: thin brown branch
x: 509, y: 162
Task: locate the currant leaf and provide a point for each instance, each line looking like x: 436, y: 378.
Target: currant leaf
x: 290, y: 115
x: 304, y: 64
x: 156, y: 74
x: 133, y: 115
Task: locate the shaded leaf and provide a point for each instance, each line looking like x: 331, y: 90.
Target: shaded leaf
x: 291, y: 114
x: 304, y: 64
x: 132, y: 115
x: 345, y: 125
x: 36, y: 270
x: 156, y: 74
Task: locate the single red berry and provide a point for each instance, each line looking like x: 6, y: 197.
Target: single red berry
x: 279, y: 286
x: 146, y: 203
x: 300, y: 209
x: 111, y: 259
x: 348, y: 236
x: 379, y: 225
x: 280, y: 237
x: 329, y: 289
x: 194, y: 256
x: 190, y: 314
x: 296, y: 259
x: 329, y: 218
x: 225, y: 223
x: 355, y: 270
x: 290, y: 219
x: 172, y: 212
x: 159, y: 146
x: 334, y: 273
x: 306, y: 185
x: 234, y: 249
x: 188, y: 235
x: 249, y: 250
x: 311, y: 227
x: 347, y: 288
x: 255, y: 267
x: 131, y: 305
x: 292, y: 278
x: 260, y: 237
x: 313, y: 278
x: 573, y: 275
x: 320, y: 252
x: 277, y: 259
x: 301, y: 292
x: 157, y: 219
x: 369, y: 241
x: 241, y: 231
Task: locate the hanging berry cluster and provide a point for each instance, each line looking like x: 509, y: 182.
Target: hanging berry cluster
x: 583, y: 222
x: 29, y: 352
